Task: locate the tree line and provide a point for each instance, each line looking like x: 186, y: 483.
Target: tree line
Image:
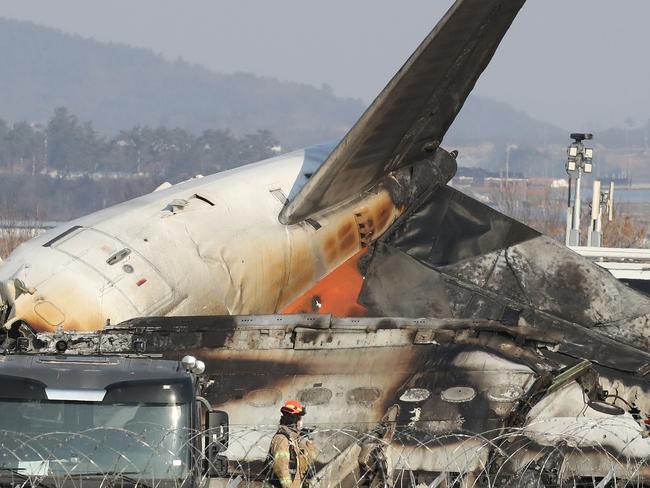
x: 66, y: 146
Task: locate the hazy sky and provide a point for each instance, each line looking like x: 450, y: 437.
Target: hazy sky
x: 581, y: 64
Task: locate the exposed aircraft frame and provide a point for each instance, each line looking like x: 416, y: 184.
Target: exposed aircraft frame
x: 485, y: 397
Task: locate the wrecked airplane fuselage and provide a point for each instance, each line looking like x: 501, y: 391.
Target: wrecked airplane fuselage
x: 208, y: 246
x: 255, y: 239
x: 532, y: 359
x: 469, y: 398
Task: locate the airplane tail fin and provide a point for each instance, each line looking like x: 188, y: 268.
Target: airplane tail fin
x: 408, y: 120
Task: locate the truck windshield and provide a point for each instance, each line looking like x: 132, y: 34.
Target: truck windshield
x: 60, y: 438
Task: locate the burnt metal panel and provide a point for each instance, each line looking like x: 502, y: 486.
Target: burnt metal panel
x: 452, y: 256
x: 396, y: 285
x: 448, y: 226
x: 522, y: 341
x: 342, y: 339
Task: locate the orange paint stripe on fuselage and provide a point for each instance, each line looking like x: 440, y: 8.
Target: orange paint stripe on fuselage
x: 336, y: 294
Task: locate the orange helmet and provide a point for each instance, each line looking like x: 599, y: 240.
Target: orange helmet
x: 293, y: 407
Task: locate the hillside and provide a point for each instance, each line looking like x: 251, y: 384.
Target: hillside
x: 117, y: 87
x: 484, y: 120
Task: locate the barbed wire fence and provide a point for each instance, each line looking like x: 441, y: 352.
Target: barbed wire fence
x: 596, y: 454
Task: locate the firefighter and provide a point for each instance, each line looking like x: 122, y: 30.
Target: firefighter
x: 291, y: 454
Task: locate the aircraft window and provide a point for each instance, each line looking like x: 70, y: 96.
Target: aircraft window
x: 266, y: 397
x: 505, y: 393
x: 363, y: 396
x: 62, y: 235
x: 415, y: 395
x: 315, y: 396
x: 458, y: 394
x: 118, y: 256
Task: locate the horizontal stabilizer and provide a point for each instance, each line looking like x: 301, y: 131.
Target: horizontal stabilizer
x: 408, y: 120
x: 454, y: 257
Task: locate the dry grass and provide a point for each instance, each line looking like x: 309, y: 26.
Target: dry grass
x: 624, y: 231
x: 544, y: 211
x: 11, y: 238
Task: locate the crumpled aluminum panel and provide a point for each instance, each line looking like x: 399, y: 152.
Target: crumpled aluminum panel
x: 455, y: 257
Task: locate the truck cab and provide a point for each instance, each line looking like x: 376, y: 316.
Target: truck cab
x: 79, y: 419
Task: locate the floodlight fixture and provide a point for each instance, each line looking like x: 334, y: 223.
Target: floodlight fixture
x: 579, y: 160
x: 581, y: 136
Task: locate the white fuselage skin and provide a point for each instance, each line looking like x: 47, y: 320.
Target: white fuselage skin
x: 211, y: 245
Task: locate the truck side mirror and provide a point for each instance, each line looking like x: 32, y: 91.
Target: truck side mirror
x: 216, y: 428
x: 216, y: 425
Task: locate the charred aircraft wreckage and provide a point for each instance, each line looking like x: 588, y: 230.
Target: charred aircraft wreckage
x: 468, y: 343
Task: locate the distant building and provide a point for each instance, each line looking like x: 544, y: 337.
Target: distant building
x: 560, y: 183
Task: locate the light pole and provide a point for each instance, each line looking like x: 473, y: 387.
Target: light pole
x: 508, y: 149
x: 579, y: 161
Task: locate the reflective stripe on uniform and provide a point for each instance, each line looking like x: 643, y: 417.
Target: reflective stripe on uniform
x: 281, y: 454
